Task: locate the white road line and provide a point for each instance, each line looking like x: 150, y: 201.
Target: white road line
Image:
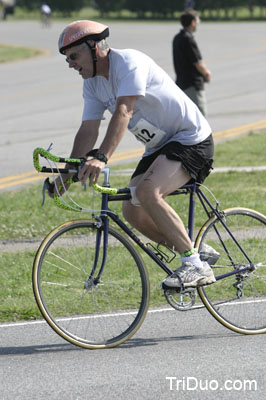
x: 14, y: 324
x: 157, y: 310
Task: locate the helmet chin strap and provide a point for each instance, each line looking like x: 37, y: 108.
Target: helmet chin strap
x: 94, y: 57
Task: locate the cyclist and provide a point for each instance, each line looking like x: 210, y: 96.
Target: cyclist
x: 46, y: 14
x: 145, y: 100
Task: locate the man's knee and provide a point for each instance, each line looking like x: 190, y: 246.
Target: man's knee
x: 145, y: 193
x: 128, y: 211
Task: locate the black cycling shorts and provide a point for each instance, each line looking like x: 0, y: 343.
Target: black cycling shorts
x: 196, y: 160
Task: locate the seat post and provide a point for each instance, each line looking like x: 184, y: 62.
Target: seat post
x: 191, y: 210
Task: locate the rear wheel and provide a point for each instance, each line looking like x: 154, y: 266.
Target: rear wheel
x: 83, y: 311
x: 237, y: 301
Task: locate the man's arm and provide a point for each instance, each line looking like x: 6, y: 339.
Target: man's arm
x: 194, y: 54
x: 118, y: 124
x: 203, y: 70
x: 85, y: 138
x: 115, y: 132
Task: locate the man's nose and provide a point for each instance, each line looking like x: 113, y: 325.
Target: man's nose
x: 71, y: 63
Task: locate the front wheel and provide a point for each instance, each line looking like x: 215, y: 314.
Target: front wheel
x: 237, y: 301
x: 88, y: 313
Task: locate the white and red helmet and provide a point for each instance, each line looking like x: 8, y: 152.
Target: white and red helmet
x: 81, y: 31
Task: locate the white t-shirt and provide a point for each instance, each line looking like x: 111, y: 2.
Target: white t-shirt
x: 162, y: 111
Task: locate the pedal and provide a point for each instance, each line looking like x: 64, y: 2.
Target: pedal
x: 164, y: 287
x: 181, y: 300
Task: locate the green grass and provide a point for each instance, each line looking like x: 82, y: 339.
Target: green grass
x: 240, y: 13
x: 16, y: 297
x: 15, y: 53
x: 248, y: 150
x: 23, y: 218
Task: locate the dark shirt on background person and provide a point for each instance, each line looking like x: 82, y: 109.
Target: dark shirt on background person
x: 191, y: 72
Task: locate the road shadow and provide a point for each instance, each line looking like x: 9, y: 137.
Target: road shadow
x: 37, y: 349
x: 132, y: 343
x: 144, y: 342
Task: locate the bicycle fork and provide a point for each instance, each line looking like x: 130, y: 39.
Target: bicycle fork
x: 102, y: 226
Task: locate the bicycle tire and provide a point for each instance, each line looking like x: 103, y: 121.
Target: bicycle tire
x: 237, y: 302
x: 97, y: 316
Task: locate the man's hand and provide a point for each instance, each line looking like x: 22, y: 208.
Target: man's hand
x: 58, y: 183
x: 207, y: 76
x: 91, y: 170
x: 201, y: 67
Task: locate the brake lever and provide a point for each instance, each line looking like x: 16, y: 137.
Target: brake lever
x: 47, y: 185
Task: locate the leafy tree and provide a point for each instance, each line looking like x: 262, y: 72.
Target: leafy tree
x: 105, y: 6
x: 158, y: 8
x: 29, y: 4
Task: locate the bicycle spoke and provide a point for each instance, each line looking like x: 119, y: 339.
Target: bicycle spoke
x: 238, y: 301
x: 88, y: 312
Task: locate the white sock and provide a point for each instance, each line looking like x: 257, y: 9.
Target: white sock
x: 193, y: 259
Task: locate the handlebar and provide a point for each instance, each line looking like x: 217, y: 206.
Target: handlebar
x: 46, y: 154
x: 77, y: 165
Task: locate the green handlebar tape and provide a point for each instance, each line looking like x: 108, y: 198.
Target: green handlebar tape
x: 59, y: 203
x: 36, y: 163
x: 39, y: 151
x: 103, y: 189
x: 42, y: 152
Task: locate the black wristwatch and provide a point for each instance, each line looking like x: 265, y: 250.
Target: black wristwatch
x: 101, y: 157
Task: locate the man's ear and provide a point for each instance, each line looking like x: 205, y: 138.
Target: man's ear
x: 93, y: 44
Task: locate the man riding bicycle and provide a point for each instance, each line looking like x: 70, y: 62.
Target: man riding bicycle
x: 145, y: 100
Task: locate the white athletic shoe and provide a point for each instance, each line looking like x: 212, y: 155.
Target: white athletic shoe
x: 190, y: 276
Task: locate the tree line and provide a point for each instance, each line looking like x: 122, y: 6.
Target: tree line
x: 214, y: 9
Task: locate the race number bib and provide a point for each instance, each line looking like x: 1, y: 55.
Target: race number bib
x: 147, y: 133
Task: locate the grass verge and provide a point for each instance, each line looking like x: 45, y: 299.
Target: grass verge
x: 14, y: 53
x: 23, y: 218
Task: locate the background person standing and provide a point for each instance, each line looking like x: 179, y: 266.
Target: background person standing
x: 7, y: 7
x: 46, y: 15
x: 191, y: 72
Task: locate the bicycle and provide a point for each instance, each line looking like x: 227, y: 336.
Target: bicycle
x: 92, y: 287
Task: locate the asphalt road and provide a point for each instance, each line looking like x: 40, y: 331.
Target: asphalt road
x: 40, y: 102
x: 191, y: 347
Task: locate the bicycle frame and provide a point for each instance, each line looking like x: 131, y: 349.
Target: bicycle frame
x: 124, y: 194
x: 94, y: 307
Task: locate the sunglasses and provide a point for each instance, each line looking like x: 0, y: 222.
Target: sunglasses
x: 72, y: 57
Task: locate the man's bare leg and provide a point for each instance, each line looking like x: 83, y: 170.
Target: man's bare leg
x: 158, y: 221
x: 155, y: 218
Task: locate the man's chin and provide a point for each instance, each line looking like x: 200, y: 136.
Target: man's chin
x: 85, y: 76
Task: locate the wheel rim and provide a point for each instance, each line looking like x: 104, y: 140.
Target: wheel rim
x: 239, y: 301
x: 90, y: 315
